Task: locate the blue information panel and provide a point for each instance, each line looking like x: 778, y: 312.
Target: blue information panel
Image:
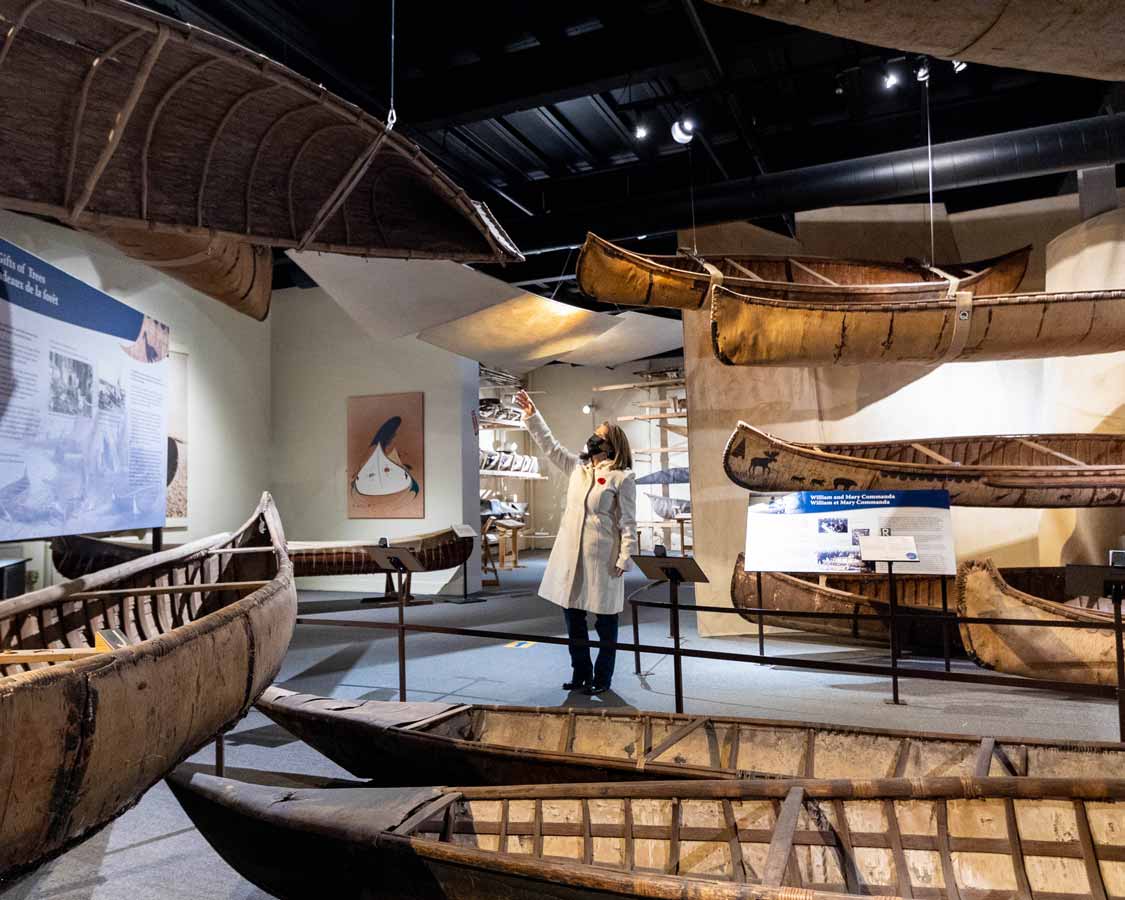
x: 83, y: 406
x: 819, y: 531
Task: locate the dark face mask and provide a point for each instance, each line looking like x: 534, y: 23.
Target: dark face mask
x: 596, y: 445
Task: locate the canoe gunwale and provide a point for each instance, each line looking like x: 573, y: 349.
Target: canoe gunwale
x: 812, y: 452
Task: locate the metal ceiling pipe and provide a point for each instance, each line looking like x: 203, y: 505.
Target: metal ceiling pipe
x: 1045, y: 150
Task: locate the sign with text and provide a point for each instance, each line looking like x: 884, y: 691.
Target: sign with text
x: 83, y: 406
x: 820, y: 531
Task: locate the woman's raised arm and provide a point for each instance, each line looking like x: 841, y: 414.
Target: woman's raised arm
x: 541, y: 434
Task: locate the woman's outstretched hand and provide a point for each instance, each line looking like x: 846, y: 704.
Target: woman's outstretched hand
x: 525, y: 403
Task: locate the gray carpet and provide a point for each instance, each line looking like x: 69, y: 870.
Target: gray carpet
x: 152, y: 850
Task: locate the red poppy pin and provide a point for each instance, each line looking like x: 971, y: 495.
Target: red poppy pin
x: 601, y: 481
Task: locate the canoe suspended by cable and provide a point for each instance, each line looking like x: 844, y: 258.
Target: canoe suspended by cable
x: 77, y: 555
x: 1035, y: 470
x: 118, y: 120
x: 109, y: 681
x: 612, y: 274
x: 1084, y: 656
x: 1072, y: 39
x: 722, y: 840
x: 421, y: 743
x: 751, y: 329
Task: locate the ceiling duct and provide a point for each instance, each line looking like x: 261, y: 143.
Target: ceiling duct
x: 1046, y: 150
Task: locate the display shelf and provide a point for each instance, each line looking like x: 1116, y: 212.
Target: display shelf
x: 502, y: 426
x: 526, y: 476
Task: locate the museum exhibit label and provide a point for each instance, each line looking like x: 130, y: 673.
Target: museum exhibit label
x: 83, y: 406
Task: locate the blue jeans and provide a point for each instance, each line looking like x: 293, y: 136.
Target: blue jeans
x: 578, y: 632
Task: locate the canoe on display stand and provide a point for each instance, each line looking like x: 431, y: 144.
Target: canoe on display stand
x: 423, y: 743
x: 109, y: 681
x: 445, y: 549
x: 612, y: 274
x: 728, y: 840
x: 1084, y: 656
x: 196, y: 155
x: 1034, y: 470
x: 756, y: 329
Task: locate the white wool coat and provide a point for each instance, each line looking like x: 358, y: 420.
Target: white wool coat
x: 597, y: 530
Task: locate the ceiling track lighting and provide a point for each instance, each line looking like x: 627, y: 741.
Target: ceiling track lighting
x: 922, y: 72
x: 640, y: 132
x: 588, y: 408
x: 959, y: 66
x: 890, y: 79
x: 683, y: 130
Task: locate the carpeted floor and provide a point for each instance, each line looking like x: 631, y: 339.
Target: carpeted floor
x: 153, y: 852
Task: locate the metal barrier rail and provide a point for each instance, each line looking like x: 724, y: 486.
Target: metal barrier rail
x: 678, y: 652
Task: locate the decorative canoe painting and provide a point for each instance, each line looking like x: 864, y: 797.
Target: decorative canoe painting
x: 386, y: 449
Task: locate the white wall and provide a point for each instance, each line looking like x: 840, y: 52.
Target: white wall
x: 320, y: 358
x: 228, y: 371
x: 566, y: 389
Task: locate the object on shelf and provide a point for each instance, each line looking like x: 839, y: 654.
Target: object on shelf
x: 753, y: 330
x: 1035, y: 470
x: 686, y: 838
x: 1081, y: 40
x: 1058, y: 654
x: 668, y: 507
x: 614, y: 275
x: 194, y: 633
x: 492, y: 412
x: 677, y: 475
x: 77, y: 556
x: 504, y: 462
x: 196, y: 156
x: 467, y: 744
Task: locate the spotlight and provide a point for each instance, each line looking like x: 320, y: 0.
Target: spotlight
x: 587, y: 408
x: 922, y: 73
x: 839, y: 89
x: 959, y: 66
x: 682, y: 131
x: 890, y: 79
x: 640, y: 132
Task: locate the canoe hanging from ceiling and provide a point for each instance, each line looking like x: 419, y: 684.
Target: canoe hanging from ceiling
x: 752, y: 330
x: 1082, y: 39
x: 1039, y: 470
x: 612, y: 274
x: 115, y: 118
x: 958, y: 838
x: 428, y: 742
x: 1067, y: 653
x: 109, y: 681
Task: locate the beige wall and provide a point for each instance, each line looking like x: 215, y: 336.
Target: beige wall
x: 869, y: 403
x: 228, y: 372
x: 320, y: 358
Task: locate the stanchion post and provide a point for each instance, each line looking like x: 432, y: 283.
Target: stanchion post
x: 1115, y: 595
x: 894, y: 632
x: 677, y: 661
x: 401, y: 638
x: 157, y: 539
x: 761, y: 618
x: 636, y: 641
x: 220, y: 755
x: 945, y: 619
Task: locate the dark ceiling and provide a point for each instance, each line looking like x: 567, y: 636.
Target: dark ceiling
x: 533, y: 106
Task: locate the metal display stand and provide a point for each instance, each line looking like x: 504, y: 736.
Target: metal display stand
x: 676, y: 570
x: 401, y: 563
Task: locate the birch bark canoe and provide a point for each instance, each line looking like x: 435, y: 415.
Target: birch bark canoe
x: 116, y: 119
x: 711, y: 840
x: 421, y: 743
x: 1073, y: 39
x: 203, y: 634
x: 1034, y: 470
x: 77, y: 555
x: 1084, y: 656
x: 758, y: 330
x: 612, y: 274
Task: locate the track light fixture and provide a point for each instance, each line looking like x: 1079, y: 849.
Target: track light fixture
x: 641, y: 131
x: 683, y: 130
x: 588, y: 408
x: 922, y: 72
x: 890, y: 79
x: 959, y: 66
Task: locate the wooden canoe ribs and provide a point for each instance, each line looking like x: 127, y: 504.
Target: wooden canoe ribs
x: 86, y: 729
x: 949, y: 837
x: 196, y: 155
x: 421, y: 743
x: 1053, y: 470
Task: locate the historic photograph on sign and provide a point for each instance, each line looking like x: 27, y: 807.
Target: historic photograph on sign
x: 386, y: 444
x: 177, y: 440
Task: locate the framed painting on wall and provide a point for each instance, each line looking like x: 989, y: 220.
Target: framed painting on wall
x: 386, y: 456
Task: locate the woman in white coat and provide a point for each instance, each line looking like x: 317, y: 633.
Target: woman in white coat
x: 597, y: 535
